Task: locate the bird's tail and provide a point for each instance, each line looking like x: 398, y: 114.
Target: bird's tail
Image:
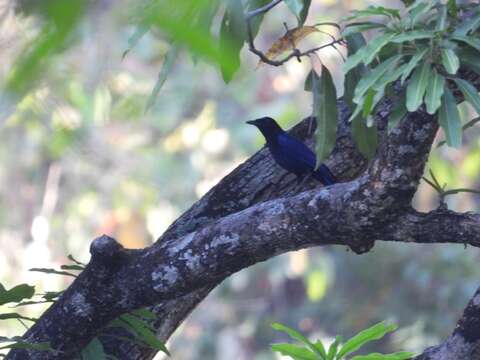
x: 324, y: 175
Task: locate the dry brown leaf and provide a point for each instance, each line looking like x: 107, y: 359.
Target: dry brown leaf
x: 288, y: 41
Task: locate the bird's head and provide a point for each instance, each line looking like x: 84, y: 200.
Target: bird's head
x: 267, y: 126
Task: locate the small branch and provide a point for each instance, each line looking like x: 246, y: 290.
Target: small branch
x: 442, y: 193
x: 295, y: 53
x: 262, y: 10
x: 464, y: 127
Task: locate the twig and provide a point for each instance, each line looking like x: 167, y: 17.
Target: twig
x: 464, y: 127
x: 263, y: 9
x: 442, y: 193
x: 295, y: 53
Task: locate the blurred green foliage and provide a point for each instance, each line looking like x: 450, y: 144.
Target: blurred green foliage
x: 338, y: 349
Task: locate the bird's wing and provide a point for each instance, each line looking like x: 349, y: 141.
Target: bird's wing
x: 297, y: 150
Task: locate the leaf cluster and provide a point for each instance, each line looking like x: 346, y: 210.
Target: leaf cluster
x: 424, y: 49
x: 338, y: 350
x: 190, y: 25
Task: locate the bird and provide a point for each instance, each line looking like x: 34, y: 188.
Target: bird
x: 290, y: 153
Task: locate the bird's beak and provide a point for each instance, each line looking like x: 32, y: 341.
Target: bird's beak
x: 252, y: 122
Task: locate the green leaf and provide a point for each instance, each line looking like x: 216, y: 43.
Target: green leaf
x: 332, y: 350
x: 365, y: 137
x: 390, y: 76
x: 71, y: 258
x: 294, y: 334
x: 173, y: 20
x: 16, y: 294
x: 72, y: 267
x: 374, y: 11
x: 357, y: 111
x: 452, y: 7
x: 374, y: 332
x: 257, y: 20
x: 473, y: 42
x: 51, y: 295
x: 20, y: 344
x: 404, y: 355
x: 470, y: 93
x: 304, y: 12
x: 374, y: 47
x: 94, y: 351
x: 442, y: 18
x: 373, y: 76
x: 368, y: 52
x: 137, y: 35
x: 351, y: 29
x: 52, y: 38
x: 354, y: 42
x: 450, y: 61
x: 433, y: 97
x: 417, y: 86
x: 167, y: 66
x: 412, y: 64
x: 143, y: 332
x: 449, y: 120
x: 368, y: 103
x: 418, y: 9
x: 233, y: 34
x: 413, y: 35
x: 144, y: 313
x: 294, y: 351
x: 469, y: 25
x: 52, y: 271
x: 9, y: 316
x: 307, y: 86
x: 296, y: 7
x: 26, y: 303
x: 398, y: 112
x: 325, y: 111
x: 376, y: 99
x: 469, y: 58
x: 4, y: 339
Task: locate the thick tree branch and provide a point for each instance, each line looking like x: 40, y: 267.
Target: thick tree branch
x: 439, y: 226
x: 464, y: 343
x: 258, y: 179
x: 204, y: 258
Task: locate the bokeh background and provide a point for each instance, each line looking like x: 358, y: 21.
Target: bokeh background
x: 80, y: 156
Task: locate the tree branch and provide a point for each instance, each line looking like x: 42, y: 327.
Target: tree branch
x: 262, y: 10
x: 464, y: 343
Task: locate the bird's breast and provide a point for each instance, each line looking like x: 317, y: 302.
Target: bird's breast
x: 286, y: 160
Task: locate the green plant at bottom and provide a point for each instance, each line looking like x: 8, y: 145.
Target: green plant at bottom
x: 338, y: 350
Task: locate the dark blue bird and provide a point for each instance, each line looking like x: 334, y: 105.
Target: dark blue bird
x: 290, y: 153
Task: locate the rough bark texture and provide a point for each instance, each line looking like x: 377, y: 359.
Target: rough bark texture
x: 256, y: 213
